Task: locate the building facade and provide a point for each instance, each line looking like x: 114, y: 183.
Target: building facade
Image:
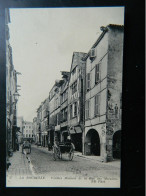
x: 64, y: 106
x: 20, y: 123
x: 76, y: 99
x: 38, y: 133
x: 86, y: 102
x: 11, y: 92
x: 104, y: 64
x: 54, y: 111
x: 35, y: 129
x: 28, y: 131
x: 44, y: 122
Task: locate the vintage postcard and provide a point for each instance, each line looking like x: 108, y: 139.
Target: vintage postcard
x: 64, y: 71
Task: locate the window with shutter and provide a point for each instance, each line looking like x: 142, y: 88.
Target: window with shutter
x: 74, y: 87
x: 87, y: 109
x: 65, y: 114
x: 61, y: 116
x: 97, y: 104
x: 70, y: 111
x: 88, y: 81
x: 75, y: 109
x: 97, y: 73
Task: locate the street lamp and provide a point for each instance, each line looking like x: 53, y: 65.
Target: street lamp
x: 16, y: 95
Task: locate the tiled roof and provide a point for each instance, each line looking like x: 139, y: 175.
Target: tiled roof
x: 116, y: 26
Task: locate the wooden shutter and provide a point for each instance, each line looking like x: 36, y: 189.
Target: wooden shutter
x: 88, y: 81
x: 97, y: 104
x: 97, y: 73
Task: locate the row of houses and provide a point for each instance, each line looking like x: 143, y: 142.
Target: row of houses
x: 86, y: 102
x: 26, y: 130
x: 12, y: 94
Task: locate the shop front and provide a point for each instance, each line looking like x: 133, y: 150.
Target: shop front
x: 44, y: 139
x: 76, y: 137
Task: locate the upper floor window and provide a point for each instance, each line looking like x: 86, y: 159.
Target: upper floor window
x: 70, y: 111
x: 74, y: 87
x: 57, y: 120
x: 75, y: 109
x: 87, y: 109
x: 97, y: 104
x: 56, y: 103
x: 64, y: 96
x: 97, y: 73
x: 74, y: 71
x: 88, y: 81
x: 64, y: 115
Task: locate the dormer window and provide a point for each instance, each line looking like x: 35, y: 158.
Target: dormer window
x: 92, y: 54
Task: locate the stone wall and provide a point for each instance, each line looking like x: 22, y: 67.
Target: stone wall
x: 114, y: 84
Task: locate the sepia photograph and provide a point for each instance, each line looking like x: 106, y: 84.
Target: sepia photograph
x: 64, y: 80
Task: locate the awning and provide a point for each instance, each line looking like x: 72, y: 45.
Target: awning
x: 44, y: 133
x: 78, y: 129
x: 57, y: 128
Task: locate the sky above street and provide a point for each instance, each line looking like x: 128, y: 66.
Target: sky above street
x: 43, y: 41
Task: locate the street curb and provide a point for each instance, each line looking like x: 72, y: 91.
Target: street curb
x: 85, y: 157
x: 89, y: 158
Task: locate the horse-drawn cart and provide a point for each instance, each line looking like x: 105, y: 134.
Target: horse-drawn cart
x: 63, y: 148
x: 27, y: 146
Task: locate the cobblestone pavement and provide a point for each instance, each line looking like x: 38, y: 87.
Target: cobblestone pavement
x: 40, y: 164
x: 43, y: 163
x: 19, y: 165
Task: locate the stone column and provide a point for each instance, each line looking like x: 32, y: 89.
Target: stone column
x: 103, y: 143
x: 109, y: 144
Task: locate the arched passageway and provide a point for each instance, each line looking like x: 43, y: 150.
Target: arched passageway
x: 117, y: 145
x: 92, y: 143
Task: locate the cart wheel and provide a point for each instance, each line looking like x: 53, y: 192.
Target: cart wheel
x: 60, y: 155
x: 54, y: 154
x: 71, y: 155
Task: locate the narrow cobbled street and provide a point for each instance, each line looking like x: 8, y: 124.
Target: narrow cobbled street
x: 39, y: 164
x: 44, y: 164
